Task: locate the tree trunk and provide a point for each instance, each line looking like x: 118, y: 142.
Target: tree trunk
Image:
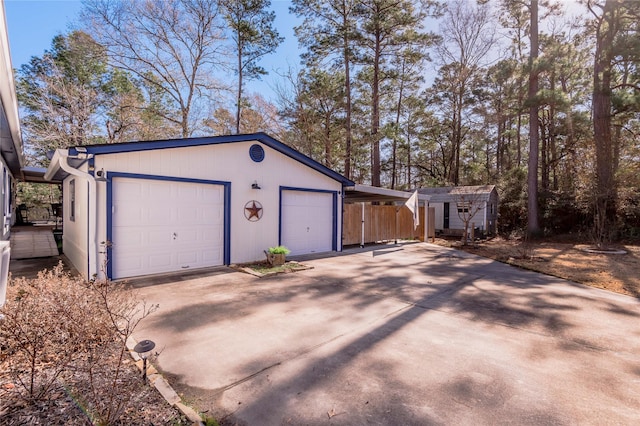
x: 375, y: 115
x: 605, y: 200
x: 347, y: 89
x: 533, y: 225
x: 328, y: 161
x: 239, y: 94
x: 394, y: 150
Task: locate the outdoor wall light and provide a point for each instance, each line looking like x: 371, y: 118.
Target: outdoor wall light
x: 255, y: 185
x: 144, y: 348
x: 101, y: 176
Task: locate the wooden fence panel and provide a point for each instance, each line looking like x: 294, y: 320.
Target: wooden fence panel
x: 381, y: 223
x: 351, y: 224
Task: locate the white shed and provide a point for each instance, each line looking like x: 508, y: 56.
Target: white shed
x: 154, y: 207
x: 453, y: 201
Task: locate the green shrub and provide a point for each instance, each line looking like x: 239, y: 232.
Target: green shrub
x: 279, y: 250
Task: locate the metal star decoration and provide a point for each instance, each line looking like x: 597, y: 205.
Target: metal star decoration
x: 253, y: 211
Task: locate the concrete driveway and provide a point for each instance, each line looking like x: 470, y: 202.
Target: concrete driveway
x: 408, y: 334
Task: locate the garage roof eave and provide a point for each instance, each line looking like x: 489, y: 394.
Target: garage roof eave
x: 359, y: 193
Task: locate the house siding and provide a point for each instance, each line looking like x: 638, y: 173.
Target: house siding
x: 6, y: 201
x: 76, y: 234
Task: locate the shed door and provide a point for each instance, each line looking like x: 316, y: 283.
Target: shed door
x: 445, y: 213
x: 163, y: 226
x: 307, y: 221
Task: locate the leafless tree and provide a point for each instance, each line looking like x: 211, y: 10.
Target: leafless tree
x: 468, y: 36
x: 173, y: 46
x: 468, y: 203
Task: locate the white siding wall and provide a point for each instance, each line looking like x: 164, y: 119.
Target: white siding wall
x: 5, y: 202
x: 75, y: 237
x: 230, y: 163
x: 454, y: 220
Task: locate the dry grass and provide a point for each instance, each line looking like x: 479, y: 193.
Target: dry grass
x: 614, y: 272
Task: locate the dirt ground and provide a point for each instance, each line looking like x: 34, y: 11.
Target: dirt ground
x: 615, y: 272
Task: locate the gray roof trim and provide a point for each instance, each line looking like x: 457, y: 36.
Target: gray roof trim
x: 359, y: 193
x: 449, y: 193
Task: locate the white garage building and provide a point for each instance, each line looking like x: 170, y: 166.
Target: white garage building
x: 154, y: 207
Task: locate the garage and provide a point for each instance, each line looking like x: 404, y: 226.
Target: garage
x: 153, y: 207
x: 308, y: 223
x: 160, y: 225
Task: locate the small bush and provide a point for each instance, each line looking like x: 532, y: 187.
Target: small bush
x: 63, y: 337
x: 279, y: 250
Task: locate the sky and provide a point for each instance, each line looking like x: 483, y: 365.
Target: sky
x: 32, y: 24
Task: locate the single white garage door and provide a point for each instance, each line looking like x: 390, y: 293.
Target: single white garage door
x: 163, y: 226
x: 307, y: 221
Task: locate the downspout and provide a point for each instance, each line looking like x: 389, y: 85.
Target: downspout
x: 93, y: 251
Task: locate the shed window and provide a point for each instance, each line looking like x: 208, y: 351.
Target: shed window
x: 72, y: 200
x: 463, y: 207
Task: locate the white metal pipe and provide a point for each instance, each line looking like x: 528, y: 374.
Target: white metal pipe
x: 93, y: 250
x: 5, y: 257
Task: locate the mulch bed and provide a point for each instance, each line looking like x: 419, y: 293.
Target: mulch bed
x: 261, y: 269
x: 63, y: 406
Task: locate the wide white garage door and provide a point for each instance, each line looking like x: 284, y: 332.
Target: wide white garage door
x: 307, y: 221
x: 162, y: 226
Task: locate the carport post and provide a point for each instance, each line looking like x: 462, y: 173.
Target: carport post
x: 362, y: 231
x: 395, y: 218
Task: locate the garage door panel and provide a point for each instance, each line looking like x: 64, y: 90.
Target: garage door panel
x: 158, y: 236
x: 157, y: 216
x: 307, y: 221
x: 188, y: 236
x: 161, y: 226
x: 134, y: 214
x: 212, y: 237
x: 131, y: 263
x: 187, y: 215
x: 187, y: 258
x: 155, y: 190
x: 130, y: 191
x: 160, y: 261
x: 130, y: 237
x: 213, y: 195
x: 214, y: 256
